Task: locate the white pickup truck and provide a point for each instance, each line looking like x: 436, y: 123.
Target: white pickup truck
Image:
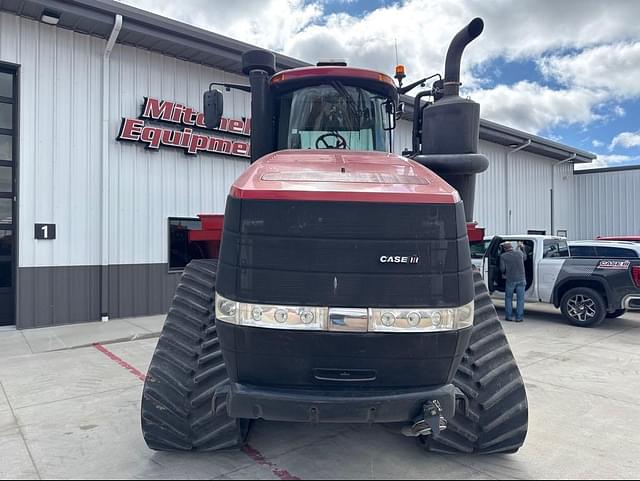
x: 587, y: 290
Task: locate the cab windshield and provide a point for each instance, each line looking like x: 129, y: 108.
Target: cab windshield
x: 334, y: 116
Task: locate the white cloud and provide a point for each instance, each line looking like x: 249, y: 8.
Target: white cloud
x: 619, y: 111
x: 265, y: 23
x: 597, y: 143
x: 423, y: 28
x: 534, y: 108
x: 626, y: 139
x: 603, y: 161
x: 612, y: 67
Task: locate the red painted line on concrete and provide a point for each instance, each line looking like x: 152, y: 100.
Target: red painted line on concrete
x: 250, y: 451
x: 262, y: 461
x: 139, y: 374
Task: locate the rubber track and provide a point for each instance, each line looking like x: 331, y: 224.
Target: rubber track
x: 186, y: 370
x: 497, y: 416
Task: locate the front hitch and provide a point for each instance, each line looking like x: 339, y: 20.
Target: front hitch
x: 431, y: 420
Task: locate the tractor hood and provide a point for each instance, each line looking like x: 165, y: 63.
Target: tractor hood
x: 336, y: 175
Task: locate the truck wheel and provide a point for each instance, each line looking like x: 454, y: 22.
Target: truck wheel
x: 583, y: 307
x: 615, y: 314
x: 186, y: 370
x: 496, y: 416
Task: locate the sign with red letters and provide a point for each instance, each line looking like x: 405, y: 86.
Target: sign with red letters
x: 190, y: 138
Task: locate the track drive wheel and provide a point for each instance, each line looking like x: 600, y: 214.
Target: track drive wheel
x: 186, y: 370
x: 496, y: 417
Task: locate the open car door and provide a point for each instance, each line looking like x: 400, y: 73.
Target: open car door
x: 491, y: 263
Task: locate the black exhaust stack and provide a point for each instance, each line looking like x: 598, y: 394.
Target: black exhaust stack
x: 454, y: 55
x: 260, y: 65
x: 451, y: 127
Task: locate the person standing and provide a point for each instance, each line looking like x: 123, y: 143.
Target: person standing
x: 512, y: 268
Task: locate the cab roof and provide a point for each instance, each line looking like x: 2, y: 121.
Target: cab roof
x: 353, y: 75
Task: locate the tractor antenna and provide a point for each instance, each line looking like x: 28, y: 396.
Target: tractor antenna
x: 397, y: 59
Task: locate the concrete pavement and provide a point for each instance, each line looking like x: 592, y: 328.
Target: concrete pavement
x: 74, y: 413
x: 34, y: 341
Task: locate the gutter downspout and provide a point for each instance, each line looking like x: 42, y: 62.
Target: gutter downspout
x: 553, y: 187
x: 507, y: 197
x: 104, y: 264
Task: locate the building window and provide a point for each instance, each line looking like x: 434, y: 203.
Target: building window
x: 8, y: 192
x: 181, y: 249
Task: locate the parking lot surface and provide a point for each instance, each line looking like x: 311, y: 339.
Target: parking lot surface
x: 68, y: 411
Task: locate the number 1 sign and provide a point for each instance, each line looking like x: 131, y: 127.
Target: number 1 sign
x: 45, y: 231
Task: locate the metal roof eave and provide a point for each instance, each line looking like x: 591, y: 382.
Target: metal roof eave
x: 602, y: 170
x: 539, y: 145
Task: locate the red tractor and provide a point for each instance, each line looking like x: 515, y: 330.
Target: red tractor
x: 343, y: 291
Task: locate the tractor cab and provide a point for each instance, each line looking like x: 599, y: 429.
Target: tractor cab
x: 334, y: 107
x: 329, y: 106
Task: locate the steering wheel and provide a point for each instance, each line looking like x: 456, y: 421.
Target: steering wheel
x: 341, y: 142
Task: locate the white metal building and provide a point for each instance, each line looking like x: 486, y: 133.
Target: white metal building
x: 607, y: 202
x: 86, y: 216
x: 529, y: 185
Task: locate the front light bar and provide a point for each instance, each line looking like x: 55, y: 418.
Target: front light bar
x: 343, y: 319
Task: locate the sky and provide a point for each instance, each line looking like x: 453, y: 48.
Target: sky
x: 568, y: 70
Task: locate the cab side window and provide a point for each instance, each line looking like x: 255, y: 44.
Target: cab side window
x: 583, y: 251
x: 555, y: 248
x: 479, y: 248
x: 616, y: 252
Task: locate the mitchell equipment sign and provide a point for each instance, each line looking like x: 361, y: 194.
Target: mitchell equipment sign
x: 137, y: 130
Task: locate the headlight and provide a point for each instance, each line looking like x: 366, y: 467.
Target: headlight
x: 421, y: 320
x: 270, y: 316
x: 344, y: 320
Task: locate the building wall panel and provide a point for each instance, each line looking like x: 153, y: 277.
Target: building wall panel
x: 147, y: 187
x: 402, y: 136
x: 607, y: 203
x: 515, y: 198
x: 59, y: 139
x: 564, y: 206
x: 60, y: 147
x: 490, y: 207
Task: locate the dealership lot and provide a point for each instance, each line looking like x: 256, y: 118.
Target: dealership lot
x: 68, y: 411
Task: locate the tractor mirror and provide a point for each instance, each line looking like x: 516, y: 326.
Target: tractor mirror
x: 390, y: 117
x: 213, y: 103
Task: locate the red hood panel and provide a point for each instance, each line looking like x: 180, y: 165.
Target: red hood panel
x: 342, y: 176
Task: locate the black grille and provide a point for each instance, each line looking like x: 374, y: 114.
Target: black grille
x: 328, y: 254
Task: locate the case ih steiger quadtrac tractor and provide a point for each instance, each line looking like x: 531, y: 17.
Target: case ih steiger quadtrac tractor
x: 343, y: 291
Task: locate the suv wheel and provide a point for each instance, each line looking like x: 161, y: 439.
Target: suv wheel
x: 583, y: 307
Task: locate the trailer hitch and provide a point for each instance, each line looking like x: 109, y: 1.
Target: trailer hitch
x: 430, y: 422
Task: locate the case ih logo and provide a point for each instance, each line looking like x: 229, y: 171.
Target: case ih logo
x: 154, y: 137
x: 617, y: 265
x: 399, y: 259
